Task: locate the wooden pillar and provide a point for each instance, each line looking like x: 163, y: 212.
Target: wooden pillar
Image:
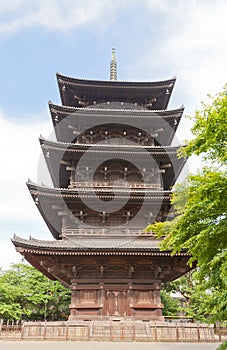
x: 157, y: 301
x: 102, y: 300
x: 72, y: 305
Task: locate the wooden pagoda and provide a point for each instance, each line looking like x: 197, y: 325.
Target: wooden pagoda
x: 112, y: 168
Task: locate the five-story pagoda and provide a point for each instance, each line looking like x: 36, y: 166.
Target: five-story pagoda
x: 112, y: 168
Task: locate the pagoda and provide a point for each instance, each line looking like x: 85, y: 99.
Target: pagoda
x: 112, y: 168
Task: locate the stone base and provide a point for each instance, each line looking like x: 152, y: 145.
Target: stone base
x: 92, y: 318
x: 118, y: 330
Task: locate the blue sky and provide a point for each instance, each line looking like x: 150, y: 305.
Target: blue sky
x: 154, y: 39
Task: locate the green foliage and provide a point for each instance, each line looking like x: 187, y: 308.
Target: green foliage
x: 171, y: 305
x: 28, y: 294
x: 196, y: 299
x: 223, y: 346
x: 200, y: 205
x: 210, y: 130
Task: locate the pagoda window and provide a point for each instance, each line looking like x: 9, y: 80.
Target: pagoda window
x: 82, y: 216
x: 125, y: 173
x: 87, y: 172
x: 165, y: 166
x: 103, y: 217
x: 128, y: 215
x: 72, y: 176
x: 158, y: 130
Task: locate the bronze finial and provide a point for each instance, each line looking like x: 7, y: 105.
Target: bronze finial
x: 113, y: 66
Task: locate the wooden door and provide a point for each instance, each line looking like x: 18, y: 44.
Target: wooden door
x: 116, y: 303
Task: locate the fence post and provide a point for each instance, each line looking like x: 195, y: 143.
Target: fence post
x: 111, y: 331
x: 155, y: 332
x: 1, y: 323
x: 67, y: 331
x: 218, y: 329
x: 45, y: 329
x: 177, y: 332
x: 7, y: 326
x: 22, y: 330
x: 198, y: 332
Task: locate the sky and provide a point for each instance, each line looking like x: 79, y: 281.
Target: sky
x: 154, y: 40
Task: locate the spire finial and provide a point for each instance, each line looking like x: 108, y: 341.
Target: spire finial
x: 113, y: 66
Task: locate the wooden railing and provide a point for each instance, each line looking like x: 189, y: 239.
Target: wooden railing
x: 10, y: 329
x: 119, y: 331
x: 104, y: 231
x: 108, y: 184
x: 112, y: 330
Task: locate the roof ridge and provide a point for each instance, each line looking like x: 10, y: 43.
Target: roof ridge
x: 71, y: 190
x: 106, y: 145
x: 62, y: 76
x: 140, y: 110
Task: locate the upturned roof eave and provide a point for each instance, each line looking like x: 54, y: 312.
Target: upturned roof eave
x: 147, y: 112
x: 111, y: 83
x: 86, y: 116
x: 67, y: 146
x: 49, y: 247
x: 69, y: 87
x: 72, y: 192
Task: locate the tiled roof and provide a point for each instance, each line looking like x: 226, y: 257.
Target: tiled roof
x: 118, y: 83
x: 113, y: 108
x: 80, y: 92
x: 162, y: 150
x: 117, y: 105
x: 70, y: 193
x: 97, y: 245
x: 91, y: 243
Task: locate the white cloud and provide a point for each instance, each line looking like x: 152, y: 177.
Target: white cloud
x: 8, y: 254
x: 189, y: 43
x: 200, y: 47
x: 60, y: 15
x: 191, y: 34
x: 20, y: 151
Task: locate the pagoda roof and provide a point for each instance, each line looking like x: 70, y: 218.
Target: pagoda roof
x: 59, y: 155
x: 66, y: 119
x: 82, y: 92
x: 79, y: 243
x: 110, y: 147
x: 143, y: 243
x: 58, y: 259
x: 52, y: 202
x: 108, y: 193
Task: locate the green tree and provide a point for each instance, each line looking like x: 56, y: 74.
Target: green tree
x: 171, y: 305
x: 28, y: 294
x: 195, y: 298
x: 210, y: 130
x: 200, y: 205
